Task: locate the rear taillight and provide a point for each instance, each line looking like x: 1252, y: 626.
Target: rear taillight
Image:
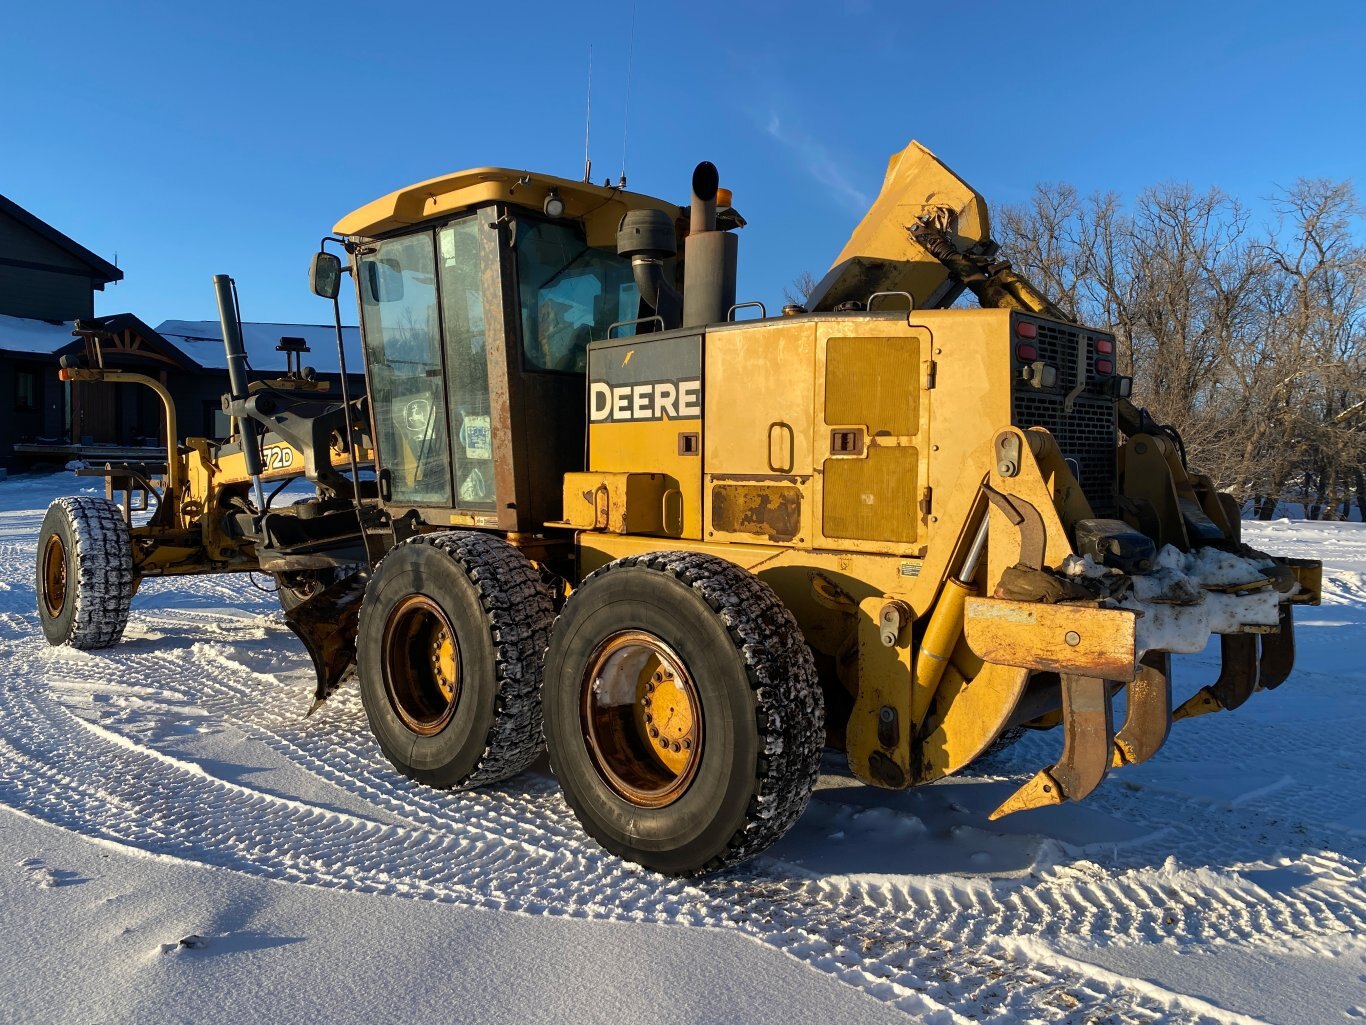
x: 1104, y: 366
x: 1026, y: 353
x: 1104, y: 345
x: 1025, y: 329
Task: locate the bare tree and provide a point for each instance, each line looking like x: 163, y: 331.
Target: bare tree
x: 800, y: 289
x: 1250, y: 341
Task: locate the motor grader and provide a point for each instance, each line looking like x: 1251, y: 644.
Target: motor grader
x: 690, y: 548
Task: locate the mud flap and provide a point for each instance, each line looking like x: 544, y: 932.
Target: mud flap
x: 1238, y: 677
x: 1149, y: 716
x: 326, y: 623
x: 1088, y: 731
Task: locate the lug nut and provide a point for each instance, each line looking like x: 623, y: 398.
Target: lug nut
x: 654, y: 731
x: 664, y: 743
x: 687, y: 744
x: 675, y: 748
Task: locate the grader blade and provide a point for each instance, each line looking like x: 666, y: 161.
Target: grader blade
x: 326, y: 623
x: 1278, y: 652
x: 1088, y: 731
x: 1237, y: 679
x: 1149, y: 715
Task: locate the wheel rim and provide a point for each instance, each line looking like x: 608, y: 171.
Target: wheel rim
x: 54, y: 576
x: 642, y: 719
x: 421, y: 665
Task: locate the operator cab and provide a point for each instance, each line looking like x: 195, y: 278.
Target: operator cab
x: 479, y: 294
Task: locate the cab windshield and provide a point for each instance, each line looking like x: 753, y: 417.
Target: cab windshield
x: 569, y: 293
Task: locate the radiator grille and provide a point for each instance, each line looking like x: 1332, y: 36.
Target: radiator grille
x: 1057, y: 345
x: 1087, y: 434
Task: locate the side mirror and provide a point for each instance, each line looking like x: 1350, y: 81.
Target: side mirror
x: 324, y: 275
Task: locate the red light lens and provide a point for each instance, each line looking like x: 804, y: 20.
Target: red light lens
x: 1026, y: 330
x: 1104, y: 366
x: 1104, y: 345
x: 1026, y: 352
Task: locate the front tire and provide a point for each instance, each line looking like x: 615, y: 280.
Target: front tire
x: 85, y: 573
x: 682, y: 712
x: 449, y: 647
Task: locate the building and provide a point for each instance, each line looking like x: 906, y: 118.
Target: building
x: 47, y: 283
x: 201, y: 341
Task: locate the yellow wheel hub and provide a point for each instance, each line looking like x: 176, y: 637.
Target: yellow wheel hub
x: 667, y: 716
x: 421, y: 665
x: 642, y: 719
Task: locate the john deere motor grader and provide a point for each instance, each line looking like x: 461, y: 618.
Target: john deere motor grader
x: 692, y: 550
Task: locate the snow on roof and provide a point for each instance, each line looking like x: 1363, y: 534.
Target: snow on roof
x: 202, y: 341
x: 20, y: 334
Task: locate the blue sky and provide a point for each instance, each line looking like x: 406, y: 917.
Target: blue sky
x: 193, y: 139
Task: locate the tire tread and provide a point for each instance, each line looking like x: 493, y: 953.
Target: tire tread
x: 103, y: 591
x: 789, y: 704
x: 518, y: 610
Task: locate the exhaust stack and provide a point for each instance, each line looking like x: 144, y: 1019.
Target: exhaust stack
x: 710, y: 256
x: 226, y: 294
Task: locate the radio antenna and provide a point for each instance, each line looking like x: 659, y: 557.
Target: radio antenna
x: 588, y: 120
x: 626, y: 105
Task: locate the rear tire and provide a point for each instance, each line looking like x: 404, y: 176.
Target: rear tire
x: 449, y: 647
x: 682, y: 712
x: 85, y: 573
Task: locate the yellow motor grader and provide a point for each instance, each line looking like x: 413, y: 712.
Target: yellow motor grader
x: 690, y: 548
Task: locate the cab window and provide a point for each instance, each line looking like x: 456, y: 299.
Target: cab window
x: 569, y: 293
x: 402, y: 331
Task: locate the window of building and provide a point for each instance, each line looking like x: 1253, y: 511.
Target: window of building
x: 26, y: 391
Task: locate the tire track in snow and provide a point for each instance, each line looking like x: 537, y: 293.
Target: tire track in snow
x: 90, y: 778
x: 938, y: 946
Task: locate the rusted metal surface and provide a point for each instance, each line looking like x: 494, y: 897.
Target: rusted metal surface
x: 327, y: 624
x: 770, y: 511
x: 623, y: 503
x: 1148, y: 717
x: 1278, y: 652
x: 641, y: 718
x: 420, y: 661
x: 1025, y: 518
x: 1061, y: 638
x: 1088, y: 727
x: 53, y: 576
x: 1238, y: 675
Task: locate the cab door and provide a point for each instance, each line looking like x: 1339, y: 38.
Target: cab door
x: 401, y: 325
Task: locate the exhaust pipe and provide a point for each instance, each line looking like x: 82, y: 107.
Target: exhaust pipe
x: 710, y: 256
x: 709, y: 270
x: 226, y: 293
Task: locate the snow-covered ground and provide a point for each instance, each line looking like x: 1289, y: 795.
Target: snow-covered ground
x: 170, y: 788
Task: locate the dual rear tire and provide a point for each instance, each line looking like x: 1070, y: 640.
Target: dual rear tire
x: 682, y: 712
x: 680, y: 703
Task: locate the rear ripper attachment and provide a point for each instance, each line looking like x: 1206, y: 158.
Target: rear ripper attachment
x: 1095, y: 609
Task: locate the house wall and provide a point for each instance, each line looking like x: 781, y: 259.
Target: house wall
x: 46, y: 420
x: 39, y: 279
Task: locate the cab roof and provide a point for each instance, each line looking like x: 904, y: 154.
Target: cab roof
x: 599, y: 207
